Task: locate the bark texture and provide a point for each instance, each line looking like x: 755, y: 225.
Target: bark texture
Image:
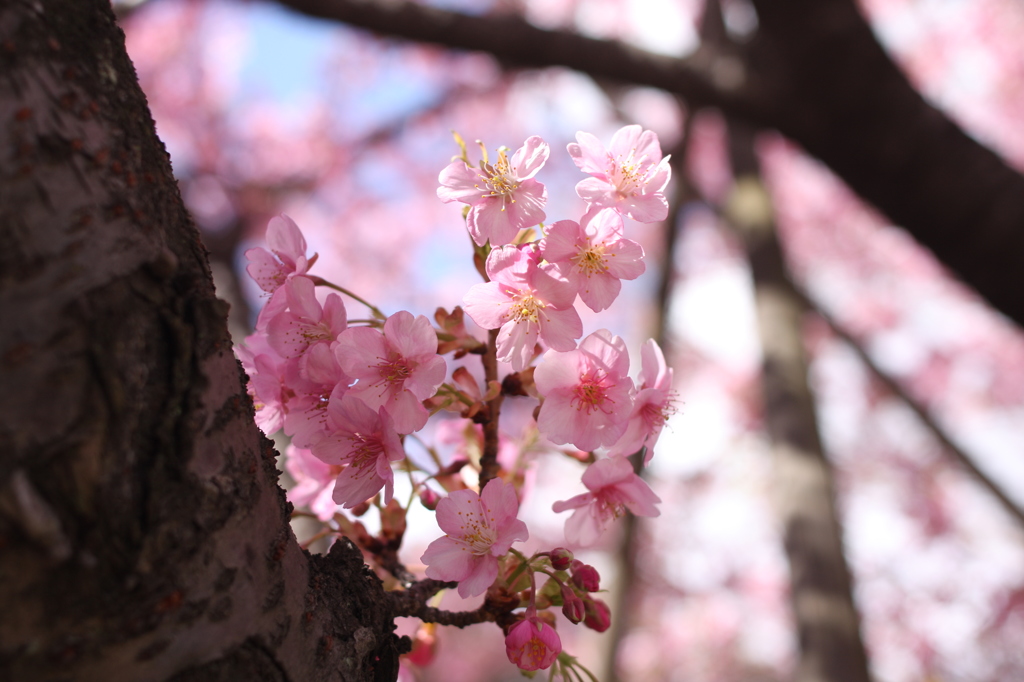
x: 143, y: 535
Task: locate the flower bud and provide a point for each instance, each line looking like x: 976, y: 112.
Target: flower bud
x: 429, y: 498
x: 561, y: 558
x: 572, y: 606
x: 424, y: 645
x: 392, y: 521
x: 585, y: 576
x: 360, y: 508
x: 598, y: 616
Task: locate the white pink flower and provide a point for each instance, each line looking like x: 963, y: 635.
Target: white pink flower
x: 310, y: 383
x: 629, y: 176
x: 266, y: 376
x: 286, y: 258
x: 365, y: 442
x: 526, y: 303
x: 653, y: 404
x: 586, y: 392
x: 305, y: 322
x: 314, y: 482
x: 532, y: 644
x: 479, y: 529
x: 613, y: 488
x: 504, y: 197
x: 396, y: 369
x: 593, y: 256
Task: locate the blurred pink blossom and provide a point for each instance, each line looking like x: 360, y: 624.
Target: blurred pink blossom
x: 264, y: 367
x: 314, y: 482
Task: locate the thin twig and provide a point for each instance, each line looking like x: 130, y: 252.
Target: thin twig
x: 489, y: 457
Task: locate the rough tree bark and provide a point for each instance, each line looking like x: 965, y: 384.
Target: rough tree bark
x: 143, y: 535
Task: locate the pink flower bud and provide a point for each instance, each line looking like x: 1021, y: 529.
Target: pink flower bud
x: 424, y: 645
x: 561, y: 558
x: 361, y: 508
x: 532, y: 644
x: 585, y: 576
x: 429, y: 498
x: 598, y: 617
x: 572, y: 606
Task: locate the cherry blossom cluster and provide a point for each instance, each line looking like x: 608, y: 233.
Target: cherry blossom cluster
x: 351, y: 393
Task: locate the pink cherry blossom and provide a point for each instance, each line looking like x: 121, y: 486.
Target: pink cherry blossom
x: 266, y: 376
x: 286, y: 258
x: 532, y: 644
x: 614, y: 488
x: 277, y: 304
x: 479, y: 529
x: 586, y: 392
x: 365, y: 442
x: 314, y: 482
x: 653, y: 404
x: 396, y: 369
x: 311, y: 382
x: 630, y: 176
x: 593, y: 256
x: 505, y: 197
x: 526, y: 303
x: 305, y: 323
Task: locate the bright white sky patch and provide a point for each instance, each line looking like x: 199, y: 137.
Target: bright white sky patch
x: 715, y: 313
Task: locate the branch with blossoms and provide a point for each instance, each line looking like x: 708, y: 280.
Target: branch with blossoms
x: 353, y: 393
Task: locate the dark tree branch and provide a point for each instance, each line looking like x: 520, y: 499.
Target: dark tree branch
x: 816, y: 73
x: 915, y: 406
x: 823, y: 80
x: 518, y: 43
x: 821, y: 586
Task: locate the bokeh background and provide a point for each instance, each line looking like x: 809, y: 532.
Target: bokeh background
x: 266, y: 111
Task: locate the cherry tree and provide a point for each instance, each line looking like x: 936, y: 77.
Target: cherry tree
x: 145, y: 535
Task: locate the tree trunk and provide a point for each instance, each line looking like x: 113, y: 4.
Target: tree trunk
x: 821, y: 587
x: 143, y: 535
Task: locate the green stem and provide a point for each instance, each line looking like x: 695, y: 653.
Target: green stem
x: 584, y: 669
x: 524, y: 563
x: 331, y: 285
